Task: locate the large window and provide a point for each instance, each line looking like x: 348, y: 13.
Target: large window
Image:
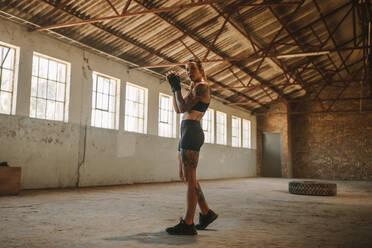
x: 135, y: 109
x: 105, y: 101
x: 7, y: 78
x: 167, y: 117
x: 208, y: 126
x: 236, y: 131
x: 246, y: 133
x: 49, y: 88
x: 221, y: 128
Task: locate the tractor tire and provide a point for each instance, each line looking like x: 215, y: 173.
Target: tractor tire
x: 313, y: 188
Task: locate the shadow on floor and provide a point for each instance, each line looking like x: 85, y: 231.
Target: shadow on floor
x: 156, y: 238
x: 282, y: 191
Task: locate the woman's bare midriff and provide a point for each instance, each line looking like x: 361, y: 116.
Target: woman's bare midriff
x: 193, y: 115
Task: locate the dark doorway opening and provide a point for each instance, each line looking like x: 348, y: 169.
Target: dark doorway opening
x: 271, y: 155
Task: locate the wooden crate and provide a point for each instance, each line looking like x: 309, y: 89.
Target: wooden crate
x: 10, y: 180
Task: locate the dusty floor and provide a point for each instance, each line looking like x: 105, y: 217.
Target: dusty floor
x: 255, y: 212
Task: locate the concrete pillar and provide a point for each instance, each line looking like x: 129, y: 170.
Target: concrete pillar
x: 228, y: 131
x: 153, y: 112
x: 24, y: 82
x: 289, y: 132
x: 123, y: 85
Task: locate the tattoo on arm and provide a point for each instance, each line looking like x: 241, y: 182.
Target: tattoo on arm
x: 201, y: 90
x: 185, y: 104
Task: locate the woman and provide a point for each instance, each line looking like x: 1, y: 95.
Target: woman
x: 193, y: 106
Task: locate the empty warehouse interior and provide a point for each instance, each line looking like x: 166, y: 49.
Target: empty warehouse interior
x: 93, y: 149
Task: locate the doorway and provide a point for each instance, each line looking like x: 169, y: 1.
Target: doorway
x: 271, y: 155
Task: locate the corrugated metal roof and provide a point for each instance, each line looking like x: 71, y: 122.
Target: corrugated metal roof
x: 156, y: 38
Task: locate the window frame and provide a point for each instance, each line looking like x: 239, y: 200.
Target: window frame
x: 225, y: 128
x: 173, y: 116
x: 249, y: 143
x: 67, y: 83
x: 116, y: 113
x: 211, y: 122
x: 239, y: 137
x: 145, y: 107
x: 13, y: 101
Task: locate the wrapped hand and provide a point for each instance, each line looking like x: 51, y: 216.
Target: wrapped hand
x: 174, y: 80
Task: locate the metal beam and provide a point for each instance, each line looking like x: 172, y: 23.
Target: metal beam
x: 315, y: 112
x: 202, y: 25
x: 215, y: 38
x: 329, y: 32
x: 126, y: 6
x: 264, y: 50
x: 255, y: 57
x: 333, y: 12
x: 200, y: 41
x: 159, y: 55
x: 113, y: 7
x: 269, y: 4
x: 332, y: 99
x: 130, y: 14
x: 252, y: 100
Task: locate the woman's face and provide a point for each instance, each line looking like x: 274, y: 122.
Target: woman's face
x: 193, y: 72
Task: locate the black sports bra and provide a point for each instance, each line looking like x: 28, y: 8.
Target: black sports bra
x: 200, y: 106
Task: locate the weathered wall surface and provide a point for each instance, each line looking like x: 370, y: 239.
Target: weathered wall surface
x: 334, y: 145
x: 46, y: 151
x: 113, y: 158
x: 57, y: 154
x: 272, y: 122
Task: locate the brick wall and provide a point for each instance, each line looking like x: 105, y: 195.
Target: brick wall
x: 335, y: 145
x: 332, y: 146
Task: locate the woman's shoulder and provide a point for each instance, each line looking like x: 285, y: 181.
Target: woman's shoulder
x: 202, y: 89
x: 202, y: 84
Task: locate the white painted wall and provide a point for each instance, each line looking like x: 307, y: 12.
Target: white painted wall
x: 50, y: 152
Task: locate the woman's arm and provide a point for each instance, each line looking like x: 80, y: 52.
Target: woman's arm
x: 175, y: 104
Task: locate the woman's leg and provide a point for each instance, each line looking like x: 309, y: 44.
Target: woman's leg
x: 190, y: 160
x: 180, y: 167
x: 201, y: 200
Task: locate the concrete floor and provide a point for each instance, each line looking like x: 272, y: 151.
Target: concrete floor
x: 254, y: 212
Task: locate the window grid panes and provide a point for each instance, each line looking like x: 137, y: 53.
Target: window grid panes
x: 104, y: 101
x: 236, y: 131
x: 208, y: 126
x: 167, y: 117
x: 221, y: 128
x: 7, y: 78
x: 246, y: 133
x: 135, y: 108
x: 49, y: 88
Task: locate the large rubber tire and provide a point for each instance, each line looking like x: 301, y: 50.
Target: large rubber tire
x: 313, y: 188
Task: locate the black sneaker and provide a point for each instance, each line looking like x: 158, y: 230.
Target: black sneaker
x: 182, y: 229
x: 206, y: 219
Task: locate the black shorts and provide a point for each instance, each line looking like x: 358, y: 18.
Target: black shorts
x: 192, y: 135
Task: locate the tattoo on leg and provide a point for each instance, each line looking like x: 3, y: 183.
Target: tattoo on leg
x: 190, y: 158
x: 200, y: 194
